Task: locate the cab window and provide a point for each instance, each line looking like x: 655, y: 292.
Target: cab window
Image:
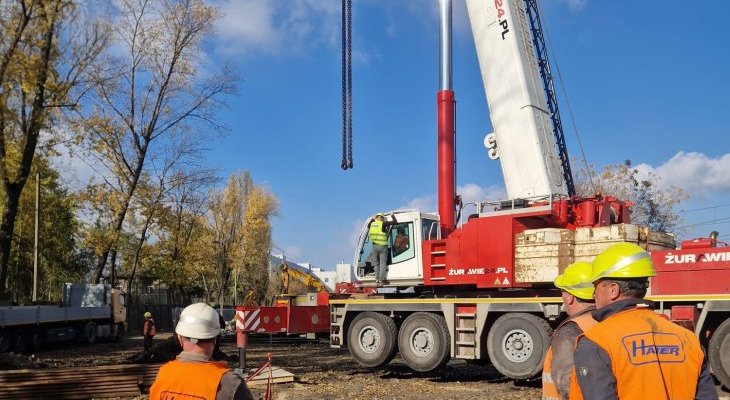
x: 367, y: 247
x: 429, y: 229
x: 400, y: 240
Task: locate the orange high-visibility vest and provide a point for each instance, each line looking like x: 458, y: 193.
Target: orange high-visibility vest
x: 651, y: 358
x: 152, y: 330
x: 549, y: 388
x: 181, y: 380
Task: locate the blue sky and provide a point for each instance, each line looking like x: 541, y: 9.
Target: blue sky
x: 647, y: 81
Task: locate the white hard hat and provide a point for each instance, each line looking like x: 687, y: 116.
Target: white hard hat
x: 198, y: 321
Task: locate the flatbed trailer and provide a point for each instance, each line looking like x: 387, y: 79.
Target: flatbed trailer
x: 87, y: 311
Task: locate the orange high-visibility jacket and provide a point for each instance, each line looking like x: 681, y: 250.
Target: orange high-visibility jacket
x: 549, y: 389
x: 149, y: 321
x: 188, y: 380
x: 651, y: 357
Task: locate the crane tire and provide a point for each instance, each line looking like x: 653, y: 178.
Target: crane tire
x: 719, y: 353
x: 517, y: 344
x: 424, y: 342
x: 371, y: 339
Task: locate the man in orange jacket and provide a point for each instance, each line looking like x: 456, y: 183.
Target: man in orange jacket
x: 577, y: 293
x: 633, y: 353
x: 193, y: 374
x: 148, y: 330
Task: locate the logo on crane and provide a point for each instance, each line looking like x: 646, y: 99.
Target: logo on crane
x: 695, y: 258
x: 499, y: 5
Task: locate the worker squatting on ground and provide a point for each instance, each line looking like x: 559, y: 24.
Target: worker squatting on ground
x: 577, y: 292
x: 193, y: 374
x: 633, y: 353
x: 148, y: 330
x: 378, y: 231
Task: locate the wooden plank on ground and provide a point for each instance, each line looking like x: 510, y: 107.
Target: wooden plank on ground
x: 278, y: 375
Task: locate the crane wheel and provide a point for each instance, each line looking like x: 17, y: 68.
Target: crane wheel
x: 424, y: 341
x: 719, y: 353
x: 371, y: 339
x: 517, y: 344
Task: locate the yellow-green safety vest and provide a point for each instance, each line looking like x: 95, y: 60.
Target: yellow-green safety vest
x: 377, y: 236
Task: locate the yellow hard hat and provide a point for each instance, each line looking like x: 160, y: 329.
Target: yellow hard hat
x: 623, y: 260
x: 148, y: 314
x: 380, y: 215
x: 576, y: 280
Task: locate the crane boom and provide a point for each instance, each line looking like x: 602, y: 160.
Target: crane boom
x: 520, y: 114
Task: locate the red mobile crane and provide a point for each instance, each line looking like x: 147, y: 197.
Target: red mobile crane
x: 483, y: 290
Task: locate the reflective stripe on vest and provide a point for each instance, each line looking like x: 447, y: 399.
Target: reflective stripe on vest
x: 188, y: 380
x: 377, y: 236
x: 584, y: 321
x: 549, y: 389
x: 651, y: 358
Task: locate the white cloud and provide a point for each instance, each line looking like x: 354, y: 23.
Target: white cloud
x: 424, y: 203
x: 276, y: 27
x: 470, y: 193
x: 575, y: 5
x: 292, y: 252
x: 696, y: 173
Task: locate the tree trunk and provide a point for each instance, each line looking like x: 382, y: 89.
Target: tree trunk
x: 7, y: 225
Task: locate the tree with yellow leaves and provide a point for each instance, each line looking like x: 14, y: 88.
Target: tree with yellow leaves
x: 45, y: 55
x: 149, y: 97
x: 241, y: 226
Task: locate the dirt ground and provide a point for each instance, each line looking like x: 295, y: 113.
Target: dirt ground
x: 320, y: 372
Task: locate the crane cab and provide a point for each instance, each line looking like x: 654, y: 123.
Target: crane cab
x: 405, y: 264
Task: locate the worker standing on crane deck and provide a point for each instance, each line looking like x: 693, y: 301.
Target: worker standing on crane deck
x: 148, y: 330
x: 378, y: 231
x: 633, y: 353
x: 577, y: 292
x: 193, y: 374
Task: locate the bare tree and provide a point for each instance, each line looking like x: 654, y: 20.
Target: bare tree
x: 654, y: 205
x: 151, y: 94
x: 45, y: 53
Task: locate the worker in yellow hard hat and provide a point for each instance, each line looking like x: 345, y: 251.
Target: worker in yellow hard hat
x: 148, y: 330
x: 577, y: 292
x: 634, y: 353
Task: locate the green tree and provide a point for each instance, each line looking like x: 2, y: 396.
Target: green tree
x: 44, y: 57
x: 59, y: 257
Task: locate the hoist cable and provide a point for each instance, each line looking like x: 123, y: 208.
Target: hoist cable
x: 343, y: 165
x: 346, y: 84
x: 349, y: 84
